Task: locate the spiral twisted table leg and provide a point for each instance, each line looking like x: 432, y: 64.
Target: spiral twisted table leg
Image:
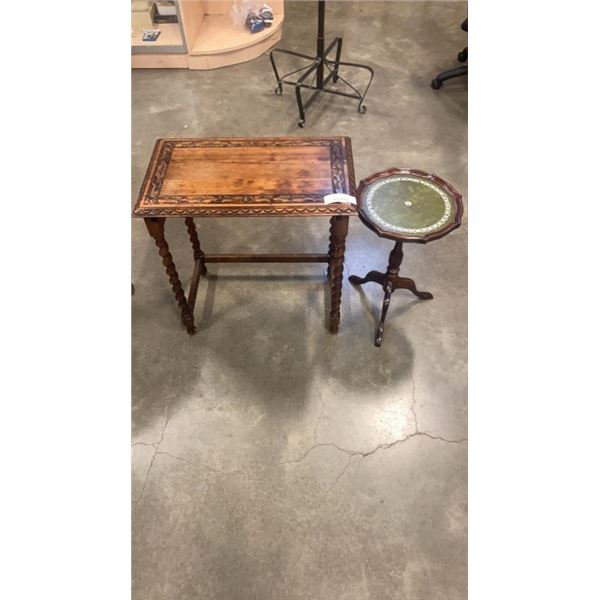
x: 330, y: 251
x: 337, y: 244
x: 156, y: 228
x: 193, y: 233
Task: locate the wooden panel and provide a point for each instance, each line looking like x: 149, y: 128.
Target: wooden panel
x: 253, y: 176
x: 217, y: 7
x: 159, y: 61
x: 192, y: 15
x: 246, y: 185
x: 224, y: 59
x: 223, y: 7
x: 277, y: 6
x: 218, y: 34
x: 255, y: 154
x: 255, y: 171
x: 211, y: 38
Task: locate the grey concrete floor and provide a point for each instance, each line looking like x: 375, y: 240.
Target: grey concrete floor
x: 272, y: 460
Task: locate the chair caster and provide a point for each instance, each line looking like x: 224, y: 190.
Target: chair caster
x: 362, y: 109
x: 436, y: 85
x: 462, y: 56
x: 278, y: 91
x: 301, y: 123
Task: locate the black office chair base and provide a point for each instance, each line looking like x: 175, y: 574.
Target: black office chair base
x: 437, y: 83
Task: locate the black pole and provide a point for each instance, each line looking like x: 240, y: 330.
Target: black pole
x: 321, y: 43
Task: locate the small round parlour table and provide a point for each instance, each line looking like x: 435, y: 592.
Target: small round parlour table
x: 405, y: 205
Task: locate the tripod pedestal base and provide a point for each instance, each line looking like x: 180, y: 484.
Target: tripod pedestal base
x: 390, y: 281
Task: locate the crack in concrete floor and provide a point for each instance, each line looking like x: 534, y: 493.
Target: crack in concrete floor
x: 156, y: 446
x: 351, y: 453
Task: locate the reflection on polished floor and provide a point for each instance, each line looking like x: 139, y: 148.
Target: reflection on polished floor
x: 271, y: 459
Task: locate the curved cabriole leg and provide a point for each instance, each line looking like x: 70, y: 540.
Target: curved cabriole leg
x: 193, y: 233
x: 156, y: 228
x: 390, y: 281
x: 339, y: 230
x: 374, y: 276
x: 389, y: 288
x: 404, y: 283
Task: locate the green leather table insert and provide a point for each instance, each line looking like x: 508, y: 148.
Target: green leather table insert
x: 408, y: 205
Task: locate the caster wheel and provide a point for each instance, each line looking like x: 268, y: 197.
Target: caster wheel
x: 362, y: 109
x: 462, y: 56
x: 301, y: 123
x: 278, y: 91
x: 436, y: 85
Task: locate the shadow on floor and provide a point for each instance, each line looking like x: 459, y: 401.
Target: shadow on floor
x: 273, y: 348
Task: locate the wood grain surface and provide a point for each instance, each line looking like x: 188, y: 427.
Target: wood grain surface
x: 247, y: 177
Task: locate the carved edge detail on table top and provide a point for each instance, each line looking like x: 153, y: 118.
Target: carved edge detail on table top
x: 150, y: 171
x: 242, y: 199
x: 241, y: 142
x: 350, y: 166
x: 258, y: 211
x: 338, y: 179
x: 160, y: 171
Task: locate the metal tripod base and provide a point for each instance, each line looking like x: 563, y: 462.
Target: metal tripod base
x: 319, y: 84
x: 317, y: 67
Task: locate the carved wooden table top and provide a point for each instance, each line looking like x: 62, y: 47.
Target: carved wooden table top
x: 247, y: 177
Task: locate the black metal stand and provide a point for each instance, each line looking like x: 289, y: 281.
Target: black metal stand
x: 317, y: 67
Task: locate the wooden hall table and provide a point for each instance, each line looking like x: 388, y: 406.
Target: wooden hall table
x: 248, y: 177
